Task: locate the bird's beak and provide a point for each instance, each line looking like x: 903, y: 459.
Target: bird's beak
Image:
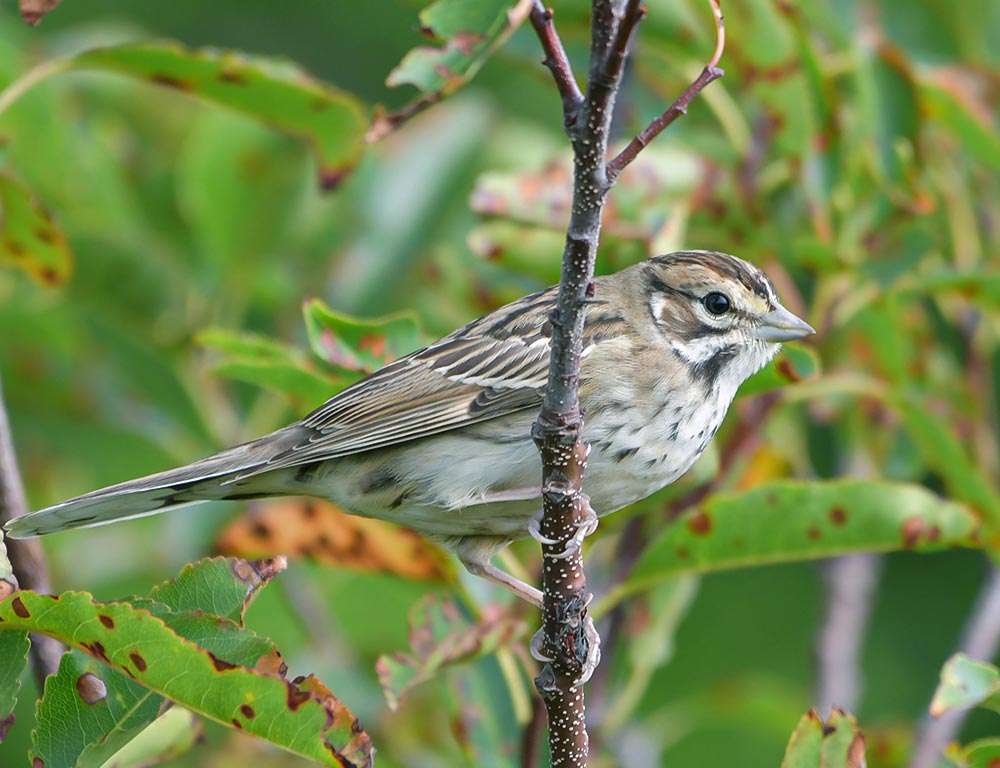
x: 781, y: 325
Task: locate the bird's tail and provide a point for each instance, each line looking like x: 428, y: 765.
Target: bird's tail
x: 238, y: 473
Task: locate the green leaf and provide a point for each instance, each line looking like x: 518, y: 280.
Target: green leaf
x: 837, y: 743
x: 790, y: 521
x: 110, y: 708
x: 29, y: 239
x: 983, y: 753
x: 173, y: 733
x: 302, y: 717
x: 270, y: 364
x: 966, y: 683
x: 89, y: 711
x: 223, y: 586
x: 359, y: 345
x: 793, y: 364
x: 14, y: 648
x: 943, y: 451
x: 470, y: 32
x: 277, y: 93
x: 440, y: 637
x: 943, y: 103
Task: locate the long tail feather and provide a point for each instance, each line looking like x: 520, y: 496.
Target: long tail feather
x: 209, y: 478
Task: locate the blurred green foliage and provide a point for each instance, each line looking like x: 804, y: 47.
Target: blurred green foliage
x: 851, y: 151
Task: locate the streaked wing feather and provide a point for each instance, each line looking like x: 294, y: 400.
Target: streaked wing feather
x: 482, y: 371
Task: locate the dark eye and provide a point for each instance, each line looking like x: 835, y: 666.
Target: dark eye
x: 716, y: 303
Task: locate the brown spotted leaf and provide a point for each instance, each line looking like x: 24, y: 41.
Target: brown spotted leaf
x: 220, y: 586
x: 469, y: 32
x: 29, y: 240
x: 358, y: 344
x: 277, y: 93
x: 320, y: 531
x: 439, y: 637
x: 837, y: 743
x: 132, y: 640
x: 790, y: 521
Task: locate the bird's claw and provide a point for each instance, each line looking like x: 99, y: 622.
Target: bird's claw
x: 593, y: 651
x: 585, y: 526
x: 535, y: 647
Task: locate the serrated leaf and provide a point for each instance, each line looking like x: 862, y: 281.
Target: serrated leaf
x: 301, y: 717
x: 440, y: 637
x: 470, y: 31
x: 355, y: 344
x: 277, y: 93
x: 793, y: 364
x: 223, y: 586
x: 322, y: 532
x: 966, y: 683
x: 14, y: 648
x: 791, y: 521
x: 837, y: 743
x: 29, y: 239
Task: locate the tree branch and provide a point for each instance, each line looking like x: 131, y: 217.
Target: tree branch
x: 25, y: 556
x: 710, y: 73
x: 569, y: 641
x: 558, y: 63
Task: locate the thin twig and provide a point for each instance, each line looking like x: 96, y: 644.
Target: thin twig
x: 661, y: 122
x: 710, y: 73
x: 26, y: 557
x: 980, y: 640
x: 557, y: 62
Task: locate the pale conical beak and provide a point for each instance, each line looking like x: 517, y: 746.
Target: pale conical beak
x: 781, y: 325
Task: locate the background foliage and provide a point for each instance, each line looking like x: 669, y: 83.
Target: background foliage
x: 851, y: 150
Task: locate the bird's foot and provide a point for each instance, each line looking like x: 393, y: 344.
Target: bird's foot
x: 593, y: 651
x: 585, y: 526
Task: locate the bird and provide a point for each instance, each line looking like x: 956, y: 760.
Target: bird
x: 440, y: 440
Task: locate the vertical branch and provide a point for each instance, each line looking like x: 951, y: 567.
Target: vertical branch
x: 25, y: 556
x: 569, y: 642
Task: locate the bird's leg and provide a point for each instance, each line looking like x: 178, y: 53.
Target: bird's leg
x: 475, y: 554
x: 585, y: 526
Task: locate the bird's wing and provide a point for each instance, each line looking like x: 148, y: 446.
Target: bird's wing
x: 492, y: 367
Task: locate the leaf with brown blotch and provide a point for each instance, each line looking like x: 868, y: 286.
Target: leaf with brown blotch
x: 469, y: 32
x: 29, y: 240
x: 439, y: 637
x: 837, y: 743
x: 298, y: 716
x: 320, y: 531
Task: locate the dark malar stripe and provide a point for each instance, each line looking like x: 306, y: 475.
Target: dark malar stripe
x: 708, y: 372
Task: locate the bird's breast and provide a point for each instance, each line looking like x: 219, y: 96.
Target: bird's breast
x: 645, y: 444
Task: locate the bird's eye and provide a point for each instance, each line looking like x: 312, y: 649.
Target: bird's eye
x: 716, y: 303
